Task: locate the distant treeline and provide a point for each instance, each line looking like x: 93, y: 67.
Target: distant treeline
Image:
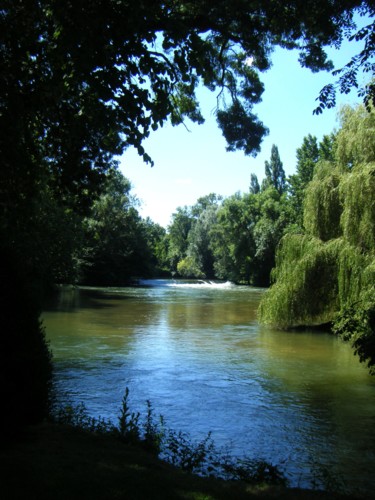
x: 233, y: 238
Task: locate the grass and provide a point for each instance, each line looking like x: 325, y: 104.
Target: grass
x: 60, y: 462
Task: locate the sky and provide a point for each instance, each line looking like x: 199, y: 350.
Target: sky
x: 191, y: 161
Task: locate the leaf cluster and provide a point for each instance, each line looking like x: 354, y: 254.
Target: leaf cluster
x: 361, y: 64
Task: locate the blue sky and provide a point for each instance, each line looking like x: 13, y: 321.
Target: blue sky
x: 192, y: 162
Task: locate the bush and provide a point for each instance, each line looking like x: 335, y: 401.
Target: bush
x: 176, y: 448
x: 356, y: 324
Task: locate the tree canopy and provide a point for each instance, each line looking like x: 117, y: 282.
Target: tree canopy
x: 84, y: 80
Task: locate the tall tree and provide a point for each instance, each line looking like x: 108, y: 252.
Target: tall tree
x: 274, y: 170
x: 254, y: 184
x: 157, y: 242
x: 327, y: 147
x: 182, y: 221
x: 274, y: 217
x: 307, y: 158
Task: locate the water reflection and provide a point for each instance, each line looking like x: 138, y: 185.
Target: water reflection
x: 198, y: 353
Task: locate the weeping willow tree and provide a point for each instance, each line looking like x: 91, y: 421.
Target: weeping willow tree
x: 327, y: 274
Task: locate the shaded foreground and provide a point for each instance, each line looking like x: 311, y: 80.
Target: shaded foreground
x: 60, y: 462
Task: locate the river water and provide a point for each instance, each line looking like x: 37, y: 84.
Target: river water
x: 299, y: 400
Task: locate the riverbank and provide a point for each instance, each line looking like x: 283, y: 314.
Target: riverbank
x: 64, y: 463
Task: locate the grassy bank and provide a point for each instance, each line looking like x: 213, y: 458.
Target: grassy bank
x: 60, y: 462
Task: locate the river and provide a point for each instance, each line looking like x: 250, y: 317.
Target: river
x: 300, y: 400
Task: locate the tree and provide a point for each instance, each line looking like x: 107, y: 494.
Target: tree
x: 157, y: 241
x: 307, y: 158
x: 205, y: 202
x: 355, y: 143
x: 232, y: 238
x: 327, y: 275
x: 254, y: 184
x: 200, y: 248
x: 274, y: 218
x: 83, y: 81
x: 189, y: 238
x: 275, y: 174
x: 117, y: 249
x: 327, y: 147
x: 182, y: 221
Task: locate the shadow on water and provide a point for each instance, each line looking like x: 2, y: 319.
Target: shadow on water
x: 71, y: 299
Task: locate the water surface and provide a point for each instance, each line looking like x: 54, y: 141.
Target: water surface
x: 297, y: 399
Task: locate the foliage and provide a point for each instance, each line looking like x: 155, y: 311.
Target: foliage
x: 156, y: 255
x: 232, y: 239
x: 323, y: 204
x: 327, y: 275
x: 355, y: 140
x: 356, y: 323
x: 255, y: 472
x: 254, y: 184
x: 358, y: 215
x: 176, y: 448
x: 77, y: 416
x: 200, y: 251
x: 188, y: 268
x: 275, y: 174
x: 153, y: 431
x: 305, y: 288
x: 128, y: 422
x: 181, y: 452
x: 350, y: 72
x: 308, y: 156
x: 190, y: 251
x: 236, y: 238
x: 178, y: 232
x: 119, y: 245
x: 118, y: 70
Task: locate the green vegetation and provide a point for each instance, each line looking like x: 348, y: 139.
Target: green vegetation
x: 236, y: 238
x: 77, y: 457
x: 81, y: 82
x: 176, y: 448
x: 327, y: 274
x: 65, y: 462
